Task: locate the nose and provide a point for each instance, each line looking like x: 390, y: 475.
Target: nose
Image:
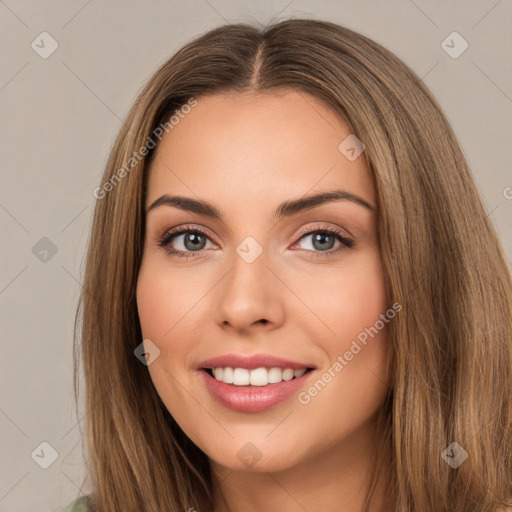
x: 249, y: 296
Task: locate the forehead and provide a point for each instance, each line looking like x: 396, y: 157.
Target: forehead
x: 248, y: 148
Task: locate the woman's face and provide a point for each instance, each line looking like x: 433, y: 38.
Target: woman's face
x: 265, y: 279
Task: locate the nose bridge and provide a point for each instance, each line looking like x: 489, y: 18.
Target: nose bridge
x: 248, y: 292
x: 249, y: 273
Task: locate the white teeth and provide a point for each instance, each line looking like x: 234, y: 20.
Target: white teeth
x: 275, y: 375
x: 240, y: 377
x: 288, y: 374
x: 258, y: 377
x: 227, y: 376
x: 255, y: 377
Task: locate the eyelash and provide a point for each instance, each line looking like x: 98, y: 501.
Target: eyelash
x: 166, y: 238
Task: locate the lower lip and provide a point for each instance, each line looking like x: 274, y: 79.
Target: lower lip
x: 253, y: 398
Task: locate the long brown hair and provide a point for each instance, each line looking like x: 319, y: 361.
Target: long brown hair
x: 451, y: 346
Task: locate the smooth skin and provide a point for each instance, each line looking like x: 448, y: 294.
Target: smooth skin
x: 246, y: 154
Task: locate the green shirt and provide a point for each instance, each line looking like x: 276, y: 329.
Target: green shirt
x: 79, y: 505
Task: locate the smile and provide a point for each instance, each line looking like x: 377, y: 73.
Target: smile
x: 251, y: 398
x: 255, y: 377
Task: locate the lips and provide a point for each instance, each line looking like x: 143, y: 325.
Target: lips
x: 253, y: 399
x: 252, y: 362
x: 262, y: 396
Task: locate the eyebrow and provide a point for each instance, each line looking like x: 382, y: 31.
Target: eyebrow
x: 286, y: 209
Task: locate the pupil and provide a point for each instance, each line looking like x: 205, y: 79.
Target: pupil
x: 321, y: 237
x: 192, y: 241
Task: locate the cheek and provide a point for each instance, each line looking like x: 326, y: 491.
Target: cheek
x: 363, y: 326
x: 166, y: 316
x: 163, y: 319
x: 165, y: 300
x: 351, y: 305
x: 363, y: 299
x: 151, y: 304
x: 347, y: 298
x: 354, y: 382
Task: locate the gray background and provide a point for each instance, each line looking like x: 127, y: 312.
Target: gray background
x: 59, y: 119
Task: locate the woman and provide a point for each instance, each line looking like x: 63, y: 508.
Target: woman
x: 294, y: 298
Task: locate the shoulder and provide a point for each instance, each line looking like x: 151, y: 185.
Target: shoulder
x: 79, y: 505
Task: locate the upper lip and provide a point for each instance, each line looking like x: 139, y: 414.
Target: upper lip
x: 251, y: 362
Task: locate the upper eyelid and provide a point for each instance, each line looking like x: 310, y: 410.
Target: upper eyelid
x: 180, y: 230
x: 338, y: 230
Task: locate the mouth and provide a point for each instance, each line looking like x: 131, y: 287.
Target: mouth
x: 257, y: 377
x: 255, y: 390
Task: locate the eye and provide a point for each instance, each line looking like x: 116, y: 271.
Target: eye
x: 323, y: 239
x: 192, y: 240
